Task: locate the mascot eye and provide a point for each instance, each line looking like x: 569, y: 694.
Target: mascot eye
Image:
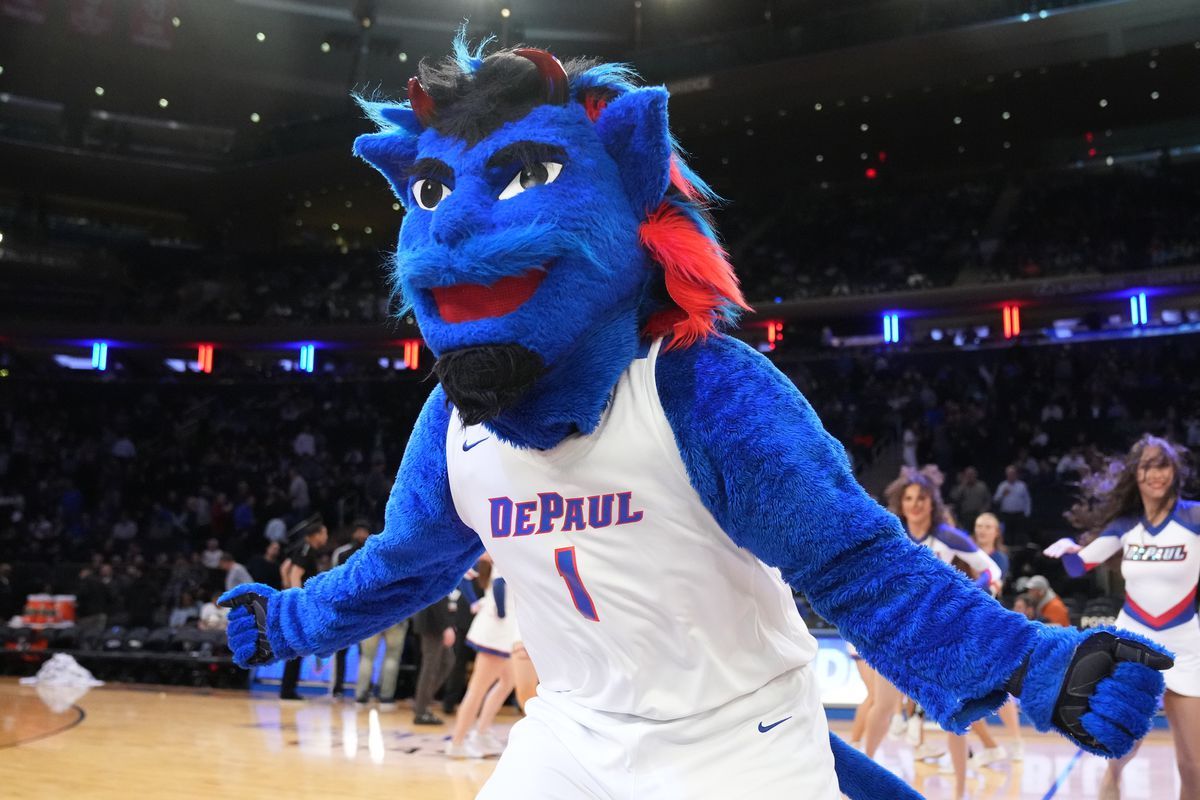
x: 538, y: 174
x: 428, y: 193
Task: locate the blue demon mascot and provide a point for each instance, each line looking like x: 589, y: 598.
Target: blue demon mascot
x: 651, y: 488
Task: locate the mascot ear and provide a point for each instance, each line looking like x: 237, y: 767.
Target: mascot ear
x: 394, y: 148
x: 634, y: 131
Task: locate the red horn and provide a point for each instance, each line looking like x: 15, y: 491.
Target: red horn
x: 552, y: 72
x: 421, y: 102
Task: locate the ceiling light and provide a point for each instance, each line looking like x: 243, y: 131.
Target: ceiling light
x: 863, y: 156
x: 504, y: 12
x: 368, y: 230
x: 1, y: 70
x: 820, y: 158
x: 403, y: 56
x: 254, y: 117
x: 395, y: 206
x: 1006, y: 115
x: 866, y: 98
x: 958, y: 120
x: 1109, y: 161
x: 1043, y: 13
x: 864, y: 127
x: 1153, y: 64
x: 299, y: 223
x: 817, y: 106
x: 1103, y: 103
x: 1007, y: 145
x: 335, y: 226
x: 176, y: 21
x: 262, y: 37
x: 349, y: 204
x: 1154, y: 95
x: 162, y: 102
x: 99, y: 91
x: 962, y: 149
x: 325, y: 47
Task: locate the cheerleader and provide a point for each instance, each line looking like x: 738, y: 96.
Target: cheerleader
x: 492, y: 636
x: 916, y: 498
x: 1156, y: 533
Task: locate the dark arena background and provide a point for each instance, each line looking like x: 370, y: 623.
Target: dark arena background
x: 969, y: 231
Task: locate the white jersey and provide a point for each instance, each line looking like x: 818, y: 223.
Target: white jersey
x: 633, y: 599
x: 949, y: 543
x: 1161, y: 567
x: 1160, y: 564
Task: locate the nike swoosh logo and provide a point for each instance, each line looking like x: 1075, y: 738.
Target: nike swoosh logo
x: 467, y: 447
x: 764, y: 728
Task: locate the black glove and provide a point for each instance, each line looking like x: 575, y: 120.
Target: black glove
x: 247, y: 629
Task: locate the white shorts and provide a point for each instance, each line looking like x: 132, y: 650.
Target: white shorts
x: 771, y: 744
x: 490, y: 633
x: 1184, y: 642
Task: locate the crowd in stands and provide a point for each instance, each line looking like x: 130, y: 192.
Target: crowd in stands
x: 1077, y: 224
x: 843, y: 240
x: 129, y: 494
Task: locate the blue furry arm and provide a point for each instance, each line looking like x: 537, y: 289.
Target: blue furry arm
x: 418, y: 558
x: 782, y: 488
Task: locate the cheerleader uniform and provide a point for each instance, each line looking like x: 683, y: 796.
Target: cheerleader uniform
x: 1161, y: 567
x: 494, y: 628
x: 949, y: 543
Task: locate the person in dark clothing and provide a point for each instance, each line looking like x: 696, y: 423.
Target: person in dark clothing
x: 265, y: 568
x: 96, y: 599
x: 9, y: 602
x: 358, y: 537
x: 309, y: 536
x: 435, y: 626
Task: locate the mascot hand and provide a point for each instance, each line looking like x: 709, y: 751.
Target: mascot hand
x: 247, y: 630
x: 1100, y: 688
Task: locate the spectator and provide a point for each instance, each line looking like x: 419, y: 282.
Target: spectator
x: 276, y: 530
x: 1072, y: 466
x: 1048, y: 607
x: 213, y: 617
x: 298, y: 492
x: 211, y: 557
x: 1013, y: 507
x: 435, y: 626
x: 265, y: 567
x: 358, y: 537
x: 970, y: 497
x: 310, y: 536
x: 124, y: 530
x: 10, y: 604
x: 186, y: 611
x: 1025, y: 604
x: 95, y: 600
x: 235, y: 573
x: 305, y: 444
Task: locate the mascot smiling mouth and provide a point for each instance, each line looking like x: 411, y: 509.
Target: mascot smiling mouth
x: 467, y: 302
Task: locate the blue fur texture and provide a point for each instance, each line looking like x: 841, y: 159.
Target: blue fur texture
x: 582, y: 228
x: 418, y: 558
x: 1122, y: 704
x: 861, y: 778
x: 782, y: 488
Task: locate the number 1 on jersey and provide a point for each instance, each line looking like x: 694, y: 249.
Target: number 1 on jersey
x: 564, y: 559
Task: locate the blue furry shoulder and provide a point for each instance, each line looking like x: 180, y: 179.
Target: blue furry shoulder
x: 781, y: 487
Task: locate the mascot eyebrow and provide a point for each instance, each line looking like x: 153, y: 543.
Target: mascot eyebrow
x: 526, y: 153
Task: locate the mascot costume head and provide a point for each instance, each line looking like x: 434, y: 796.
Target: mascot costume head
x: 551, y: 225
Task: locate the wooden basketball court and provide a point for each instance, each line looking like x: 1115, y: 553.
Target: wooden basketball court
x: 123, y: 741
